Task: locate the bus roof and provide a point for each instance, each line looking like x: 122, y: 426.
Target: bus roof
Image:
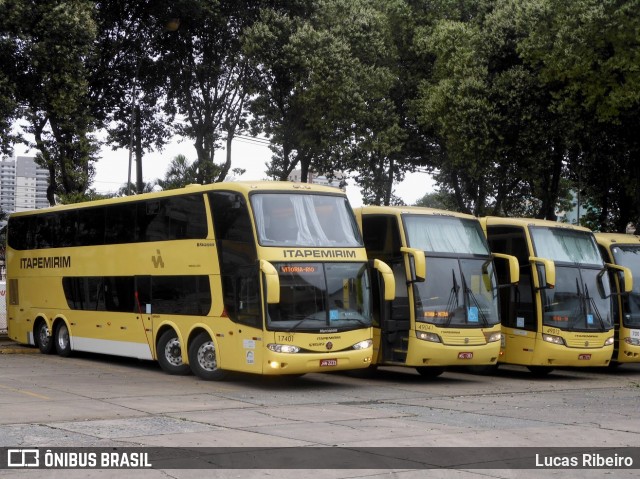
x: 524, y: 222
x: 244, y: 187
x: 607, y: 239
x: 411, y: 210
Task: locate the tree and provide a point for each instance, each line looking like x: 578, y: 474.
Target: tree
x: 179, y: 174
x: 53, y: 42
x: 207, y: 76
x: 8, y: 104
x: 587, y: 54
x: 502, y: 144
x: 324, y: 83
x: 133, y: 37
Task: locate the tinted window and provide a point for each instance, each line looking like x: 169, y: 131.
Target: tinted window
x: 178, y: 217
x: 187, y: 295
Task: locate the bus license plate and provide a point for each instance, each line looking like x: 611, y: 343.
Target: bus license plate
x: 328, y: 362
x: 465, y: 355
x: 584, y: 357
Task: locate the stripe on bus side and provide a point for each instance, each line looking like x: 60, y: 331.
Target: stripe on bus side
x: 107, y: 346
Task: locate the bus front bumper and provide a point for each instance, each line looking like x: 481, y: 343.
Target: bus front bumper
x: 303, y: 363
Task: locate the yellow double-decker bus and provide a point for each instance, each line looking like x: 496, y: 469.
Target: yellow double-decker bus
x: 264, y: 277
x: 622, y: 252
x: 445, y: 311
x: 560, y: 312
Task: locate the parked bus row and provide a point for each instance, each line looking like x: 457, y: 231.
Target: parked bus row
x: 280, y: 278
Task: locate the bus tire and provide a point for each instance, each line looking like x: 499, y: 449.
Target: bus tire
x: 539, y: 371
x: 43, y: 339
x: 170, y: 354
x: 203, y: 358
x: 429, y: 371
x: 62, y: 340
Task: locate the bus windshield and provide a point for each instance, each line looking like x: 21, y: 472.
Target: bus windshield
x: 565, y: 245
x: 464, y: 294
x: 629, y: 256
x: 577, y: 303
x: 321, y: 296
x: 285, y: 219
x: 445, y: 234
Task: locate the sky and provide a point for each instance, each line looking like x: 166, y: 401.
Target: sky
x: 112, y: 168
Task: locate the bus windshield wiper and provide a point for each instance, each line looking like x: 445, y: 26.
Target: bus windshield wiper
x: 594, y: 306
x: 453, y: 298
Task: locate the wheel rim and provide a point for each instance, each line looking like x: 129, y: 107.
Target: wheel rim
x: 207, y: 356
x: 173, y: 352
x: 63, y: 337
x: 43, y: 336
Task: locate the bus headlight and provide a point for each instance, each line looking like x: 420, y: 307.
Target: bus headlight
x: 550, y: 338
x: 282, y: 348
x: 609, y: 341
x: 493, y: 337
x: 433, y: 337
x: 633, y: 341
x: 367, y: 343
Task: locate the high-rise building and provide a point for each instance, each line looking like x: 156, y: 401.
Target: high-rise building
x: 23, y: 185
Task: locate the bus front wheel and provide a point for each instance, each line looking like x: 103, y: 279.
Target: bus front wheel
x: 62, y: 340
x: 170, y: 354
x: 44, y: 340
x: 203, y: 358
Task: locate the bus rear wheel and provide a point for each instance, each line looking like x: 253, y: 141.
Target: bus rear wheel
x: 203, y: 358
x: 170, y: 354
x: 43, y: 339
x: 430, y: 371
x: 62, y: 340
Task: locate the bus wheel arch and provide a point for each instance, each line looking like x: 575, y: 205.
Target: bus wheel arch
x: 61, y: 338
x: 204, y: 357
x: 43, y: 336
x: 170, y: 353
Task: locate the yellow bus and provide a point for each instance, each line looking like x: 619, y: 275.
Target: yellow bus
x: 560, y: 313
x: 623, y: 251
x: 445, y: 311
x: 259, y: 277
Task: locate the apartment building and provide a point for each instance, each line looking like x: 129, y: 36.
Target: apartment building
x: 23, y: 185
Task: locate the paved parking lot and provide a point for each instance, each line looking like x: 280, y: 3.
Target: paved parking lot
x: 99, y: 401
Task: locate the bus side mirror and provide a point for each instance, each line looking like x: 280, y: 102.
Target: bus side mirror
x: 387, y: 278
x: 417, y: 262
x: 548, y: 279
x: 514, y: 266
x: 625, y: 276
x: 271, y: 281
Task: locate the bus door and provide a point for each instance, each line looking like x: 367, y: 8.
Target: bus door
x: 244, y: 341
x: 395, y: 320
x: 143, y: 310
x: 518, y: 304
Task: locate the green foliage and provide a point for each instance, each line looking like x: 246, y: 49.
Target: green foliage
x: 179, y: 174
x: 510, y: 104
x: 52, y: 43
x: 438, y: 200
